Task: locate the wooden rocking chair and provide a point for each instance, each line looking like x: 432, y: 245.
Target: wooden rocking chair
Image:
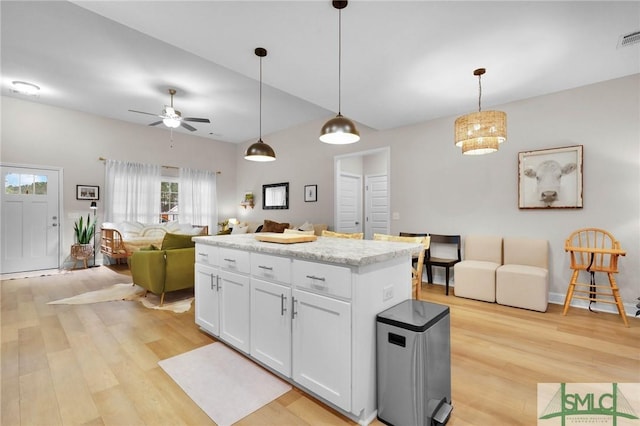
x: 594, y: 250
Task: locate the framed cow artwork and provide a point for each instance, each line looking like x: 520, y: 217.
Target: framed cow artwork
x: 550, y: 178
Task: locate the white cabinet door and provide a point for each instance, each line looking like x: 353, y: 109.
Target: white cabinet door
x: 207, y: 292
x: 321, y: 332
x: 271, y: 325
x: 234, y: 309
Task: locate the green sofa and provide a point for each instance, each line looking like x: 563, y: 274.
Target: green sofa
x: 169, y: 268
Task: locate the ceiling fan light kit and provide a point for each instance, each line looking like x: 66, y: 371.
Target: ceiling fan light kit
x: 172, y: 118
x: 339, y: 130
x: 260, y: 151
x: 480, y: 132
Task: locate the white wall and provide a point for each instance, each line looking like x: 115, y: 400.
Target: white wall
x: 434, y: 188
x: 301, y: 159
x: 38, y: 134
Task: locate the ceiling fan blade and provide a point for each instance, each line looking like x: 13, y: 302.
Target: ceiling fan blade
x: 187, y: 126
x: 156, y: 123
x: 142, y: 112
x: 198, y: 120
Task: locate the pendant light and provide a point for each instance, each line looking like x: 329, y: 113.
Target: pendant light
x: 339, y: 130
x: 260, y: 151
x: 480, y: 132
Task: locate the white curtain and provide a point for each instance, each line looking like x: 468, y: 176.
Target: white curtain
x: 132, y: 192
x: 197, y: 197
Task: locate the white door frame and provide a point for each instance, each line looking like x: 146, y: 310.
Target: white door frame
x: 60, y: 171
x: 336, y: 176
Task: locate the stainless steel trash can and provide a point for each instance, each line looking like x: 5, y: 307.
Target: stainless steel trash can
x: 414, y: 364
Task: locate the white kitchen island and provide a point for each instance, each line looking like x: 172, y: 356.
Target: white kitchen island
x: 307, y: 311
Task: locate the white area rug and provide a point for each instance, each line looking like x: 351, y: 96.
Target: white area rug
x: 173, y: 301
x: 225, y: 385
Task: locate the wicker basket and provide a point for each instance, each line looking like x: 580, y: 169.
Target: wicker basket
x: 81, y: 251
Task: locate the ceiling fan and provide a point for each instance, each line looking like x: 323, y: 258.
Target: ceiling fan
x: 173, y: 118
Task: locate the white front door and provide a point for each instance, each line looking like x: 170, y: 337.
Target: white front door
x: 30, y: 219
x: 376, y: 205
x: 349, y: 207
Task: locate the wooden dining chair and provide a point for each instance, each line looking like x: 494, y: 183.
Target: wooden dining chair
x: 594, y: 250
x: 430, y: 260
x: 352, y: 236
x: 416, y: 272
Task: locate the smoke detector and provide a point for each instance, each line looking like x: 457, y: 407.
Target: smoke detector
x: 630, y: 39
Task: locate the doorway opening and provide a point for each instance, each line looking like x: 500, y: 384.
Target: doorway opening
x: 363, y: 192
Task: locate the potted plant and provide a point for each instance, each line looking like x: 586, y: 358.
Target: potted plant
x: 84, y: 232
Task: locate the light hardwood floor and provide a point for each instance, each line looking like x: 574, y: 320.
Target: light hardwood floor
x: 97, y: 364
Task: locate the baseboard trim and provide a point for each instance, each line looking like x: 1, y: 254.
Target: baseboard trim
x: 558, y: 299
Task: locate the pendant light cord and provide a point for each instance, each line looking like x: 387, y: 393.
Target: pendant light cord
x: 260, y: 120
x: 479, y: 93
x: 339, y: 61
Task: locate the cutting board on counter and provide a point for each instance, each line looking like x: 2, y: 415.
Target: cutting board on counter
x: 274, y: 237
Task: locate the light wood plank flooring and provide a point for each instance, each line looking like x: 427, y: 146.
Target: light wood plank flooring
x: 97, y: 364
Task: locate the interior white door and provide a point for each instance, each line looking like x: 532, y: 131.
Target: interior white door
x: 30, y: 219
x: 376, y: 205
x: 349, y: 206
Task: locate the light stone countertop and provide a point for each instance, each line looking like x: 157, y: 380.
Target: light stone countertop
x: 324, y: 249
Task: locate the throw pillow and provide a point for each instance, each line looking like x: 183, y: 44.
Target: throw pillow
x: 195, y: 230
x: 176, y: 241
x: 174, y: 227
x: 306, y: 227
x: 240, y: 229
x: 153, y: 231
x: 271, y: 226
x: 131, y: 229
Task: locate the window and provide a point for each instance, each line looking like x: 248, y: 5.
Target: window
x: 25, y: 184
x: 168, y: 200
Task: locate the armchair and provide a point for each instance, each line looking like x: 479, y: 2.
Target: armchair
x: 170, y: 268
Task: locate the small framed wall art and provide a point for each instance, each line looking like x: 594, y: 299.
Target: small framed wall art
x: 310, y: 193
x: 87, y: 192
x: 550, y: 178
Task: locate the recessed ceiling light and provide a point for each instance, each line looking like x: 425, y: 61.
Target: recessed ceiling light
x: 25, y: 88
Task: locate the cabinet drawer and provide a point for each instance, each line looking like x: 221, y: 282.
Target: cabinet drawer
x: 272, y: 268
x: 234, y: 260
x: 321, y: 278
x: 206, y: 254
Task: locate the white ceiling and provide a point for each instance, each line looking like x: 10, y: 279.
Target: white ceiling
x: 403, y: 62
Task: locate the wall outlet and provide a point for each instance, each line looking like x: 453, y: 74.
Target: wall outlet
x: 395, y: 215
x: 387, y: 293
